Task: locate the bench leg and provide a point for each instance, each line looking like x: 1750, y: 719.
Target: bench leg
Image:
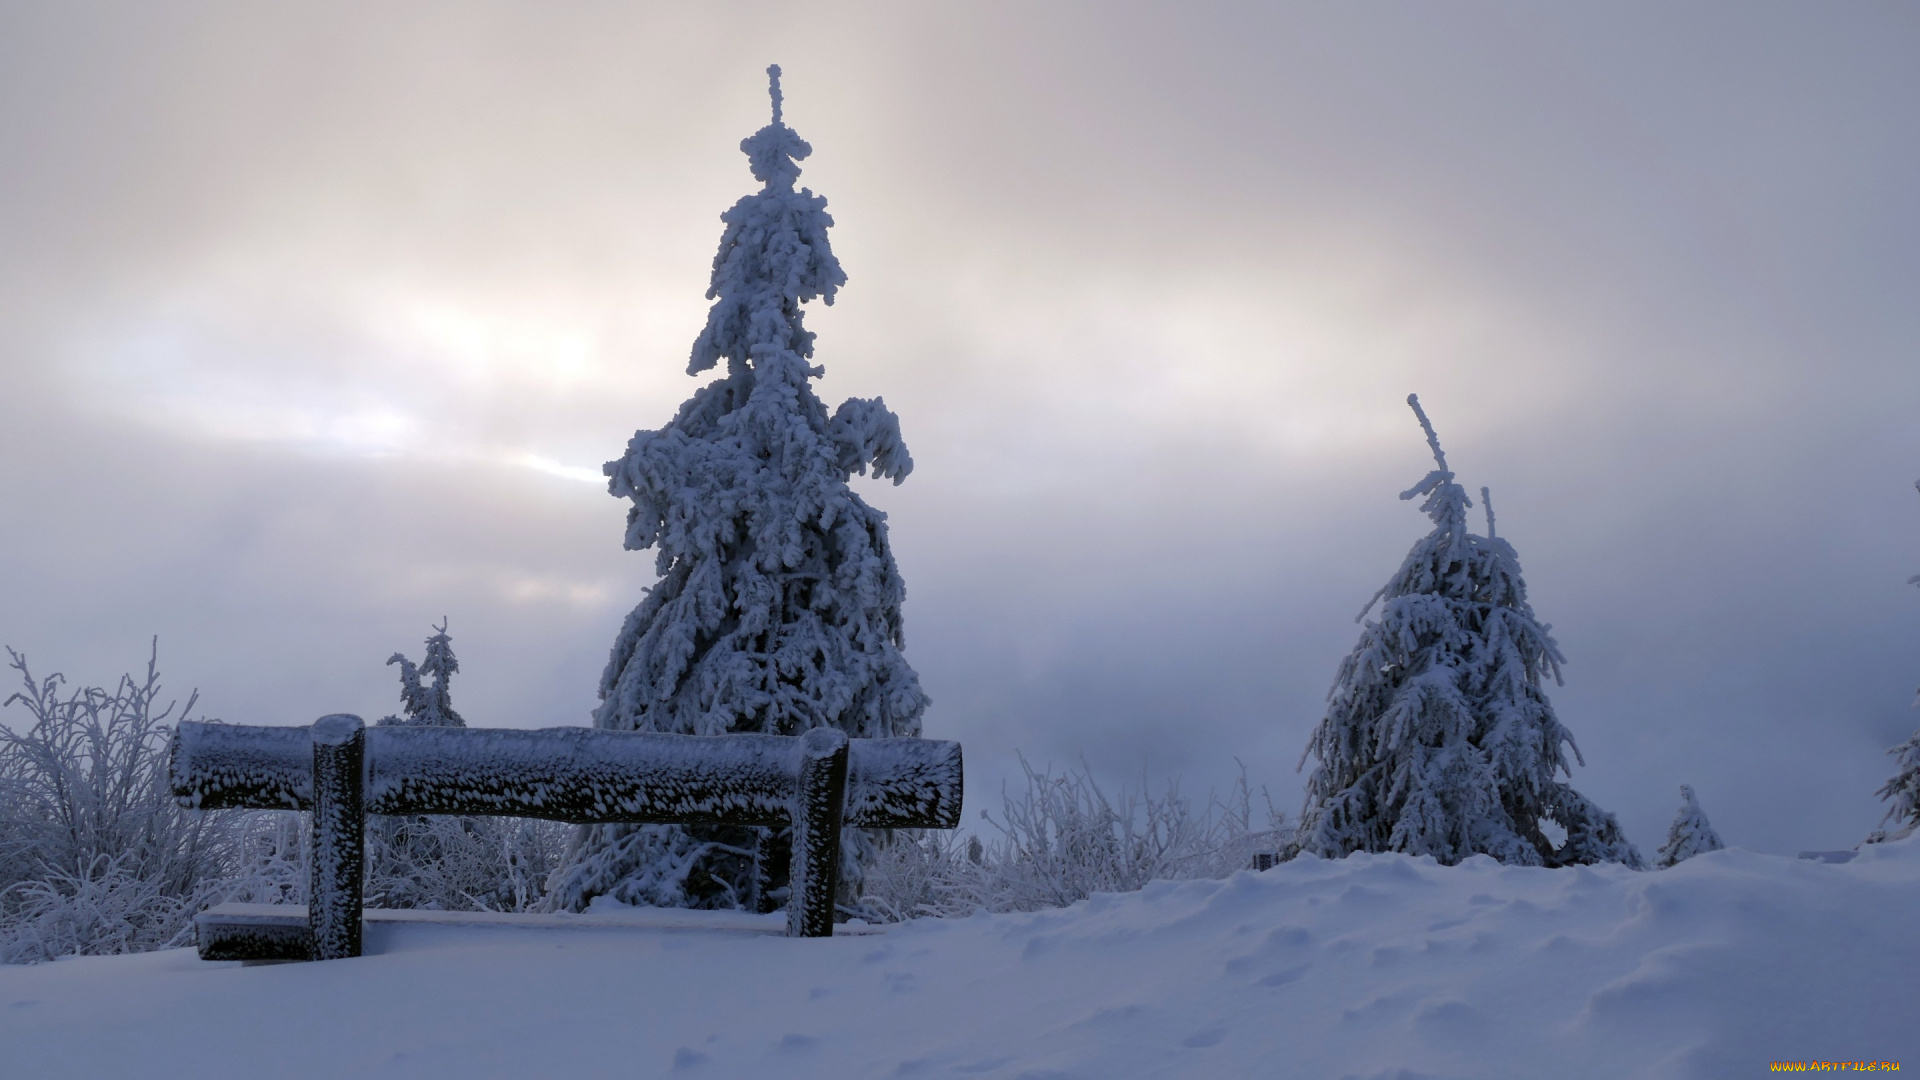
x: 816, y: 833
x: 339, y: 836
x: 772, y: 851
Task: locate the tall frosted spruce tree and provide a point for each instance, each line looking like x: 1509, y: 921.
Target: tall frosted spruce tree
x: 1438, y: 738
x: 778, y: 605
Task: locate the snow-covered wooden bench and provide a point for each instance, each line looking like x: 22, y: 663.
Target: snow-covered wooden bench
x: 340, y: 770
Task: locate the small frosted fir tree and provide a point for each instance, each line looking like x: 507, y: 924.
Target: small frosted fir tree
x: 1439, y: 739
x: 427, y: 705
x: 1903, y: 791
x: 440, y: 862
x: 405, y: 853
x: 1690, y: 834
x: 778, y: 604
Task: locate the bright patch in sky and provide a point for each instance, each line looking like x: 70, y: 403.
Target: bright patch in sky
x: 551, y: 467
x: 421, y: 380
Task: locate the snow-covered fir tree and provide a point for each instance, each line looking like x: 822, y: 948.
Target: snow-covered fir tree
x: 1902, y: 792
x: 1439, y: 738
x: 1690, y: 834
x: 427, y: 704
x: 405, y: 854
x: 778, y: 604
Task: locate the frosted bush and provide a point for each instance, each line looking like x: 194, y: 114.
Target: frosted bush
x: 1060, y: 840
x: 104, y: 908
x: 444, y: 863
x: 94, y: 855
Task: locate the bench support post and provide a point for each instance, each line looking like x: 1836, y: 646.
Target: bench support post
x: 339, y: 836
x: 820, y: 806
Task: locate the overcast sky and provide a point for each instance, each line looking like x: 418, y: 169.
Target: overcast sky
x: 317, y: 321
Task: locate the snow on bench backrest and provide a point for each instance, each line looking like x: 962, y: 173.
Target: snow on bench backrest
x: 571, y: 774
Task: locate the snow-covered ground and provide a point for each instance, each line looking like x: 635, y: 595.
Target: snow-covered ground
x: 1371, y: 966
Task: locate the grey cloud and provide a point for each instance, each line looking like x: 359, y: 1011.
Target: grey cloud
x: 1146, y: 283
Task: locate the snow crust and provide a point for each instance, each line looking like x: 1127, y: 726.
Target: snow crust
x: 580, y: 774
x: 1371, y: 966
x: 570, y: 774
x: 216, y: 765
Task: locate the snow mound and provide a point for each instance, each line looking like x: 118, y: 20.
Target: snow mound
x: 1368, y: 966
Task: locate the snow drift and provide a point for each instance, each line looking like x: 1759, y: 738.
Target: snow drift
x: 1368, y: 966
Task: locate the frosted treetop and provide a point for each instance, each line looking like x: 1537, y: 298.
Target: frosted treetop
x: 773, y: 257
x: 775, y: 150
x: 1447, y: 501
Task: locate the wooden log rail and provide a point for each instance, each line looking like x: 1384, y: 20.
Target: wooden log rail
x: 341, y: 770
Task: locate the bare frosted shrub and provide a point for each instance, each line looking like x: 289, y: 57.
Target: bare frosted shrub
x: 1062, y: 839
x: 266, y: 858
x: 94, y: 855
x: 919, y: 872
x: 462, y: 863
x: 105, y: 908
